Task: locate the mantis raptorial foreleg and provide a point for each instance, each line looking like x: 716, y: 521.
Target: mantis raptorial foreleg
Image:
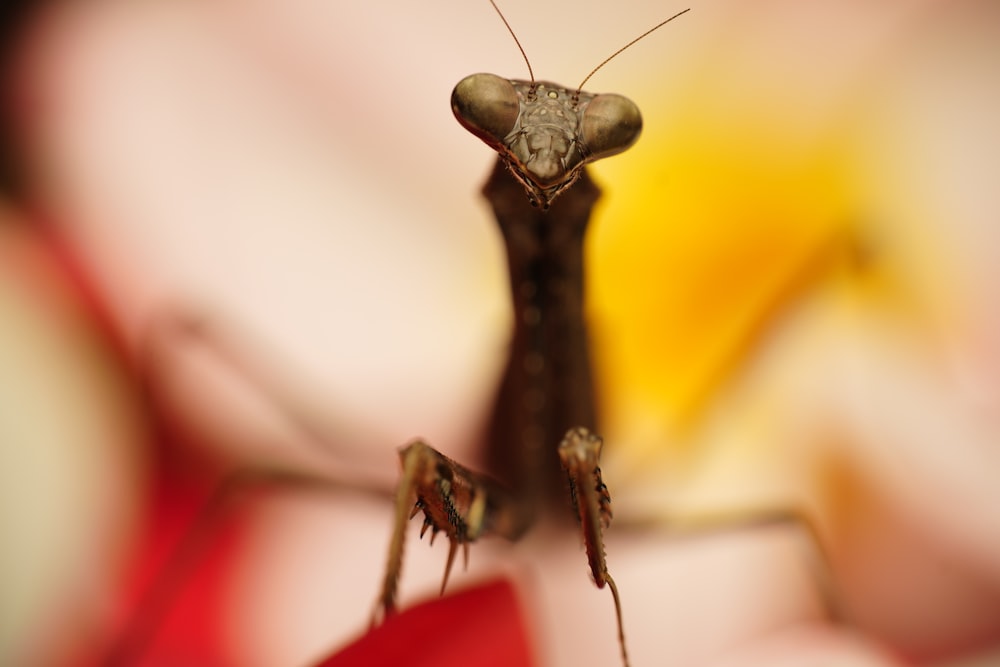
x: 462, y: 504
x: 580, y: 454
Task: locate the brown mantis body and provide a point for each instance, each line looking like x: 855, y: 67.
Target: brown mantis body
x: 544, y: 134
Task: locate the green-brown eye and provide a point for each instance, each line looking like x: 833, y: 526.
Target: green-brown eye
x: 611, y: 123
x: 486, y: 105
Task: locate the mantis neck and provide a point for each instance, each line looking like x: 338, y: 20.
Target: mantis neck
x: 547, y: 387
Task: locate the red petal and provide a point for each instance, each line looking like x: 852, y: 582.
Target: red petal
x: 478, y: 626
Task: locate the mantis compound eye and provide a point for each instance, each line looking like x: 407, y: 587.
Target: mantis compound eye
x: 610, y: 124
x: 487, y: 106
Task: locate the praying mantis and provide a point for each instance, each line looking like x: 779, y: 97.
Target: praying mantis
x: 544, y: 135
x: 545, y: 397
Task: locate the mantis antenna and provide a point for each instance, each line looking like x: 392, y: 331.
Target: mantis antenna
x: 612, y: 56
x: 604, y: 62
x: 524, y: 55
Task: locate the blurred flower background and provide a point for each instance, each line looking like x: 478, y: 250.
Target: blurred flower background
x: 792, y: 307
